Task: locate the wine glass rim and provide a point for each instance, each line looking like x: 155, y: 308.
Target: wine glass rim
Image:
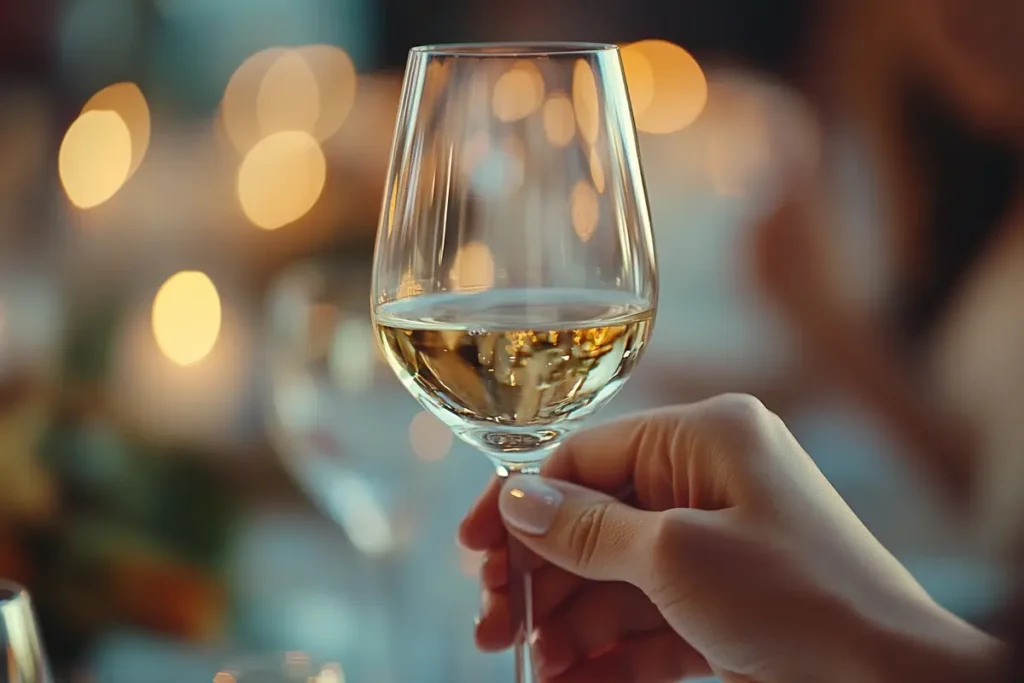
x: 514, y: 49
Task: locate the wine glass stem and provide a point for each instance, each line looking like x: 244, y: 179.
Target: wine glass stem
x: 520, y: 562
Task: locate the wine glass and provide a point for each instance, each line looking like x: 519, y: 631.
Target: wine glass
x: 514, y: 283
x: 323, y: 362
x: 23, y: 659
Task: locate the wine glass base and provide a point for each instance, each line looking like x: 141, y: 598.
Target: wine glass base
x: 512, y: 448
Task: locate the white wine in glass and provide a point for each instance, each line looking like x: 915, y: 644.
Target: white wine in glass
x: 515, y: 280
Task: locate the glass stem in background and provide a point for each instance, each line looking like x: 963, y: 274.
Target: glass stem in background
x: 520, y: 563
x: 22, y: 659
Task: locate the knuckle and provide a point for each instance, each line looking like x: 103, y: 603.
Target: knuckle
x: 667, y: 538
x: 742, y: 416
x: 742, y: 407
x: 585, y: 535
x: 667, y: 545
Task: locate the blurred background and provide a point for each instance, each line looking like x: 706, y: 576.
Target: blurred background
x: 208, y: 473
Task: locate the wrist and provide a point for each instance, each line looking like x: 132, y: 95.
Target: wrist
x: 945, y: 650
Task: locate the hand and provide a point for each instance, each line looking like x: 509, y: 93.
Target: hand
x: 733, y: 556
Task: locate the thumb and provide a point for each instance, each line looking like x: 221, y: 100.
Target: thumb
x: 587, y: 533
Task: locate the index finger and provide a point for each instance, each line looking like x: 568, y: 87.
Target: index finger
x: 606, y: 458
x: 612, y: 456
x: 482, y: 528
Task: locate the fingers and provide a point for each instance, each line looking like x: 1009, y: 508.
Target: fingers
x: 482, y: 528
x: 586, y: 533
x: 679, y: 456
x: 552, y: 587
x: 604, y: 458
x: 592, y: 622
x: 493, y: 630
x: 659, y: 657
x: 494, y: 570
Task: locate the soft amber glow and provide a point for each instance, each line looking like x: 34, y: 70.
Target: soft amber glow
x: 431, y: 440
x: 223, y: 677
x: 559, y: 120
x: 596, y: 170
x: 281, y: 179
x: 187, y: 317
x: 586, y: 209
x: 519, y: 92
x: 310, y: 89
x: 130, y: 104
x: 95, y: 158
x: 639, y: 79
x: 667, y: 87
x: 585, y: 101
x: 289, y: 96
x: 336, y: 78
x: 238, y: 110
x: 473, y: 269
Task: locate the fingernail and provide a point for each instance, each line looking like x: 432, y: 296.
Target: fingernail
x: 530, y: 504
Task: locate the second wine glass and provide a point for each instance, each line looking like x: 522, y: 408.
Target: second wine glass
x: 515, y: 281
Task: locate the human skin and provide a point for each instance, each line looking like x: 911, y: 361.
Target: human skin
x: 733, y: 557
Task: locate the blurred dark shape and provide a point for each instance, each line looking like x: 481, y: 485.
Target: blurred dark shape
x: 769, y: 36
x: 968, y: 180
x: 950, y: 181
x: 27, y: 37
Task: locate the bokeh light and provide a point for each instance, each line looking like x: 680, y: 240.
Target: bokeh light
x: 667, y: 87
x: 288, y: 97
x: 639, y: 79
x: 585, y: 208
x: 431, y: 440
x: 336, y: 78
x: 238, y: 106
x: 281, y: 179
x: 518, y: 92
x: 585, y: 101
x: 187, y: 317
x: 127, y: 100
x: 494, y: 170
x: 559, y: 120
x: 95, y: 158
x: 473, y: 268
x: 310, y: 89
x: 331, y: 673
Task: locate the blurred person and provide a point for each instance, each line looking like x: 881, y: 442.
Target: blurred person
x: 733, y: 556
x: 932, y: 91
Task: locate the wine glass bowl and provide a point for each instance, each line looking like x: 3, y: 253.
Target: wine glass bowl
x: 515, y: 281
